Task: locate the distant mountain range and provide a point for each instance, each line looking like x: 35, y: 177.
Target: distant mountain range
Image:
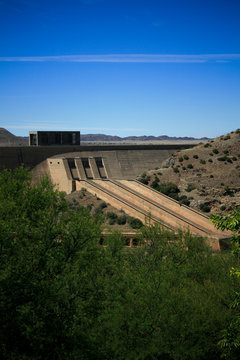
x: 102, y: 137
x: 8, y: 139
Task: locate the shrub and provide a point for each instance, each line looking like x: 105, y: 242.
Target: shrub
x: 168, y: 188
x: 210, y: 160
x: 205, y: 207
x: 190, y: 187
x: 144, y: 181
x: 234, y: 158
x: 111, y: 215
x: 184, y: 167
x: 180, y: 159
x: 190, y: 166
x: 215, y: 151
x: 103, y: 205
x: 211, y: 154
x: 184, y: 200
x: 211, y: 176
x: 207, y: 145
x: 121, y: 220
x: 226, y: 152
x: 223, y: 207
x: 222, y: 158
x: 185, y: 157
x: 227, y: 137
x: 195, y: 156
x: 175, y: 169
x: 134, y: 222
x: 202, y: 161
x: 112, y: 221
x: 154, y: 184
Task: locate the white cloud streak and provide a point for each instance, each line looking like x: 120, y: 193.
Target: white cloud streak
x: 128, y: 58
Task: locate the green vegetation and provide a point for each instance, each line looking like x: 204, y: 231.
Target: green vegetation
x: 207, y: 145
x: 144, y: 179
x: 227, y: 137
x: 202, y: 161
x: 190, y: 187
x: 170, y: 189
x: 190, y: 166
x: 230, y: 343
x: 134, y: 222
x: 186, y: 157
x: 215, y: 151
x: 195, y: 156
x: 121, y: 220
x: 63, y: 296
x: 205, y: 207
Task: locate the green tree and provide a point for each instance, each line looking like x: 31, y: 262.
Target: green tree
x: 230, y: 342
x: 45, y: 277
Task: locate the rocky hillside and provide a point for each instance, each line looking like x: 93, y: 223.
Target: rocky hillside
x: 207, y: 177
x: 8, y: 139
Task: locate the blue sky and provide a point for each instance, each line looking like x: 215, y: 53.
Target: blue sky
x: 120, y: 67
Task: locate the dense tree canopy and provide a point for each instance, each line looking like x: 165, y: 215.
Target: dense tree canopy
x: 63, y: 296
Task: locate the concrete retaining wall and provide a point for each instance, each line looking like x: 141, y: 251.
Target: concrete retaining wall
x: 121, y: 161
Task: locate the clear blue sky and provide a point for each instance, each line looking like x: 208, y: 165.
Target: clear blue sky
x: 120, y: 67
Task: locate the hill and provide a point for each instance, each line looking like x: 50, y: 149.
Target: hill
x: 8, y: 139
x: 207, y: 176
x: 103, y: 137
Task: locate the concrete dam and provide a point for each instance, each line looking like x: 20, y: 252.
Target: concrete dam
x: 109, y: 172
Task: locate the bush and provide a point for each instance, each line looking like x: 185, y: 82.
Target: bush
x: 184, y: 200
x: 211, y: 154
x: 202, y: 161
x: 222, y: 158
x: 175, y: 169
x: 190, y: 187
x: 103, y: 205
x: 210, y: 160
x: 185, y: 157
x: 205, y: 207
x: 168, y: 189
x: 211, y: 176
x: 154, y: 184
x: 227, y: 137
x: 195, y: 156
x: 134, y: 222
x: 145, y: 181
x: 234, y: 158
x: 180, y: 159
x: 215, y: 151
x: 121, y: 220
x: 111, y: 215
x: 190, y: 166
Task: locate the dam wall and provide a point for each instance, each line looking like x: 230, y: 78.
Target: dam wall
x: 121, y: 161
